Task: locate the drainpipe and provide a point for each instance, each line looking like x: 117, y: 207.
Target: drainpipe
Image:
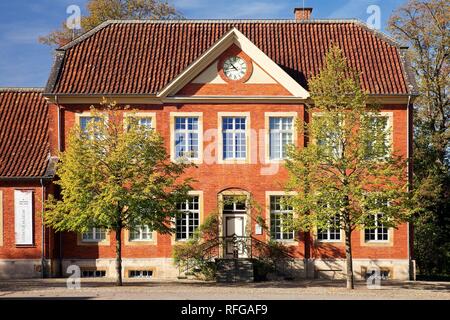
x: 43, y: 228
x: 60, y: 269
x: 59, y: 123
x: 408, y: 154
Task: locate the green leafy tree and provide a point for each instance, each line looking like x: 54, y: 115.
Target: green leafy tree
x: 99, y: 11
x: 116, y: 176
x: 424, y: 26
x: 347, y: 173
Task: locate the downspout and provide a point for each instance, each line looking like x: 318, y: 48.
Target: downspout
x: 59, y: 123
x: 43, y: 229
x: 411, y: 268
x: 60, y: 269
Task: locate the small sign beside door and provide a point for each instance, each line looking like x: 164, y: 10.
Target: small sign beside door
x: 258, y: 229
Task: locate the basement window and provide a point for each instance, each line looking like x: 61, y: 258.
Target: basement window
x: 385, y: 273
x: 140, y: 274
x: 93, y: 273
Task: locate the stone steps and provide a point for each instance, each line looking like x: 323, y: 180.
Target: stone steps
x: 235, y: 270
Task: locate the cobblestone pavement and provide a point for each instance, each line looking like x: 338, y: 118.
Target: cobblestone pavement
x: 192, y: 290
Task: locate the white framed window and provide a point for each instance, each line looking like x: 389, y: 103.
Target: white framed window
x: 279, y: 213
x: 84, y: 121
x: 379, y: 233
x: 94, y: 235
x: 332, y: 233
x: 381, y: 125
x: 329, y: 141
x: 141, y: 233
x: 187, y: 137
x: 145, y: 121
x: 188, y: 219
x: 235, y: 203
x: 234, y: 138
x: 281, y: 134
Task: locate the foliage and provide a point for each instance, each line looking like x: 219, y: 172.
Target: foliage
x: 102, y: 10
x: 193, y: 254
x: 424, y: 26
x: 349, y: 169
x: 116, y: 178
x: 274, y: 257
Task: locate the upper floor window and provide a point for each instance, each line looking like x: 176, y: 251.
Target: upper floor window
x: 84, y: 123
x: 187, y: 137
x: 379, y: 140
x: 234, y: 138
x: 141, y: 233
x: 329, y: 139
x: 332, y: 233
x: 280, y: 136
x: 144, y: 121
x: 380, y: 232
x: 279, y: 214
x: 189, y: 218
x: 94, y: 235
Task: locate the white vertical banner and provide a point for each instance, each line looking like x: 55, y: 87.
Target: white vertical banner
x: 23, y: 214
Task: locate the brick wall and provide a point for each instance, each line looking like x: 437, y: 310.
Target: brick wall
x: 213, y: 178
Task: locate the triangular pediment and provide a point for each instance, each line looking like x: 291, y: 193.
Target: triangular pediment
x: 206, y: 76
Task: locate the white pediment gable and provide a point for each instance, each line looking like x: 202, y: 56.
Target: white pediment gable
x: 204, y: 68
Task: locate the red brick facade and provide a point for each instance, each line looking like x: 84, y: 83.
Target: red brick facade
x: 254, y: 98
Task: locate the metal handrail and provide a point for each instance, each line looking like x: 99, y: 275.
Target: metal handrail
x: 216, y: 248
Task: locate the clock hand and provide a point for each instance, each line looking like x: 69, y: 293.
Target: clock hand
x: 234, y: 66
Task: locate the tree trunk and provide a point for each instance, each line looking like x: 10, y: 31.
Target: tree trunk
x: 119, y: 256
x: 348, y: 257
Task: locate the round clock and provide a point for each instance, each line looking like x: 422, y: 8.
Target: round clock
x: 234, y: 68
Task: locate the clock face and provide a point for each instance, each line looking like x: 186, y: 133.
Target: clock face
x: 234, y: 68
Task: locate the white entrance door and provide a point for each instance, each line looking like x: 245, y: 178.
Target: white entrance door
x: 234, y: 233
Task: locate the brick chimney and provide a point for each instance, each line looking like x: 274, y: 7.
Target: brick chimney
x: 303, y: 13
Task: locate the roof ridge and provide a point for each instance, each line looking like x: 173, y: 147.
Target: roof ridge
x: 104, y: 24
x: 21, y: 89
x: 168, y: 21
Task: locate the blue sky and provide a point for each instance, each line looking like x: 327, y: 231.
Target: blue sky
x: 26, y: 63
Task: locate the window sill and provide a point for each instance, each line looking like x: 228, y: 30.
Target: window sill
x: 233, y: 161
x: 286, y: 242
x: 378, y: 243
x: 330, y: 241
x: 187, y: 160
x: 26, y: 246
x: 140, y: 243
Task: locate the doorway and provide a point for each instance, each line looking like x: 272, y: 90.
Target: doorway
x: 234, y: 226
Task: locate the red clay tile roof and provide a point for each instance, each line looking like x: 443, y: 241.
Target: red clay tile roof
x: 24, y: 146
x: 141, y: 57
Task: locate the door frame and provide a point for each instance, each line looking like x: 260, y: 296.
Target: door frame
x: 223, y: 216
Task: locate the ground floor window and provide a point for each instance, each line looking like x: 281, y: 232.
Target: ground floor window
x: 380, y: 232
x: 332, y: 233
x: 279, y: 213
x: 94, y: 235
x: 189, y: 218
x: 141, y: 233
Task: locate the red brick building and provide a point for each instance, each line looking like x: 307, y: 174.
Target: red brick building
x: 225, y: 92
